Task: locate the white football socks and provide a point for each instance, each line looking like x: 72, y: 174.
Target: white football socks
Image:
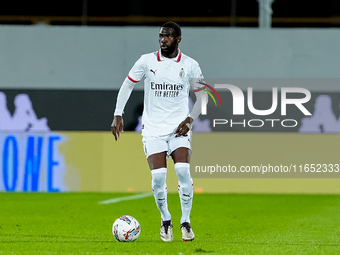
x: 185, y: 189
x: 160, y: 191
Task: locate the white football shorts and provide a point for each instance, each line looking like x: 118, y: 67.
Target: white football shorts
x: 168, y: 143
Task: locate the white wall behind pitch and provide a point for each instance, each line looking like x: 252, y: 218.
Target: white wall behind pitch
x: 66, y: 57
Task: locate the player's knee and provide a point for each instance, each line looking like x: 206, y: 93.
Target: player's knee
x: 183, y: 176
x: 158, y: 180
x: 183, y: 173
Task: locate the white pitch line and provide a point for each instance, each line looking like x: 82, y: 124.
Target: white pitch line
x: 120, y: 199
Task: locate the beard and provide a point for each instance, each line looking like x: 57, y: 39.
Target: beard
x: 168, y: 50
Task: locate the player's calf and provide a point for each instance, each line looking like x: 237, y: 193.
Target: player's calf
x: 159, y: 189
x: 185, y: 189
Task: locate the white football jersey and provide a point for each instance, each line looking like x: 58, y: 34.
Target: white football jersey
x: 166, y: 90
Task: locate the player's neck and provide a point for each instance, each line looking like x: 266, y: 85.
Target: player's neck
x: 170, y: 55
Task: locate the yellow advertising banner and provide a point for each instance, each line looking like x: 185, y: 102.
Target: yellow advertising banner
x: 221, y: 163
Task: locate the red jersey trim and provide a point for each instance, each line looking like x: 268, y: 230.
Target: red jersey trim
x: 159, y: 55
x: 179, y: 56
x: 132, y: 79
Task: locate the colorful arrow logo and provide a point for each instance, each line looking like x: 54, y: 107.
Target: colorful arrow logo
x: 208, y: 92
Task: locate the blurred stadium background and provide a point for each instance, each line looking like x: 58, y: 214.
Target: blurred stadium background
x: 62, y: 64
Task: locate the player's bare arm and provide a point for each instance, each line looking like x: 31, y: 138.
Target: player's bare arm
x: 184, y: 127
x: 117, y: 126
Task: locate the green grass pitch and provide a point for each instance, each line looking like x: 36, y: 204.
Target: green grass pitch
x: 74, y: 223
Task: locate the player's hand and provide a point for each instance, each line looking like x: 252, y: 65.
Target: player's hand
x: 117, y: 126
x: 184, y: 127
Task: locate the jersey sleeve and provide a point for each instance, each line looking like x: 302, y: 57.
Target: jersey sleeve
x: 137, y: 72
x: 197, y: 84
x: 123, y: 96
x: 196, y: 77
x: 196, y: 71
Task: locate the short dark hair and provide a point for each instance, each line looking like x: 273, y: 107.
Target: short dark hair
x: 173, y: 25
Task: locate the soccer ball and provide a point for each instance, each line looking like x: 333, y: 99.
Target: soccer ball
x: 126, y: 229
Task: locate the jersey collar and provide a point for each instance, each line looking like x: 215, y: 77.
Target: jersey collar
x: 176, y: 59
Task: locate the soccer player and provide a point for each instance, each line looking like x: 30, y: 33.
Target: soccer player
x: 166, y: 120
